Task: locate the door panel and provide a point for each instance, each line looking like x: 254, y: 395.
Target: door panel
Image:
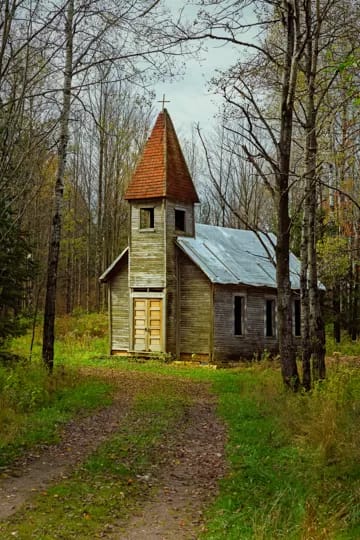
x: 139, y: 324
x: 147, y: 324
x: 154, y: 324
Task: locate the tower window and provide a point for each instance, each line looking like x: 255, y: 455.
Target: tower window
x: 180, y: 220
x: 146, y: 218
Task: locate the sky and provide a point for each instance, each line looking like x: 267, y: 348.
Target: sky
x: 191, y: 100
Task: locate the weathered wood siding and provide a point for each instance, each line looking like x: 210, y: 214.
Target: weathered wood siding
x: 172, y: 288
x: 228, y: 346
x: 195, y: 308
x: 147, y: 247
x: 119, y: 319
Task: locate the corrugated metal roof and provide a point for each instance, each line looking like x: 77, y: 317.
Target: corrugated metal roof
x: 234, y: 256
x: 113, y: 266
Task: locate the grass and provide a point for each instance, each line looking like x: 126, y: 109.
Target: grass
x: 347, y: 347
x: 295, y: 472
x: 294, y: 469
x: 34, y: 405
x: 106, y: 488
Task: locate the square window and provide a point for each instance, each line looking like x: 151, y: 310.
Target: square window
x: 146, y: 218
x: 180, y: 220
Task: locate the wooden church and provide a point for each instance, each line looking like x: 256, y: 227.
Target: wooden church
x: 192, y: 291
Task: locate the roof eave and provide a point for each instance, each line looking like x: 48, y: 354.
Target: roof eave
x: 105, y: 276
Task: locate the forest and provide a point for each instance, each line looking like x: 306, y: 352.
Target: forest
x: 77, y: 101
x: 76, y: 106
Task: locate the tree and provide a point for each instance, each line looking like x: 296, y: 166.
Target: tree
x: 233, y: 194
x: 323, y: 31
x: 87, y: 46
x: 244, y: 90
x: 55, y: 237
x: 275, y: 95
x: 16, y: 268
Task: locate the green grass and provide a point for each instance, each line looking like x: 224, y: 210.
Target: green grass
x: 33, y: 405
x: 79, y: 339
x: 295, y: 472
x: 347, y: 347
x: 106, y: 488
x: 294, y: 468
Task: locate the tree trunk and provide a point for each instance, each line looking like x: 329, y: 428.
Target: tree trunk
x: 316, y: 322
x: 304, y: 296
x: 100, y: 196
x: 284, y: 305
x: 336, y: 292
x: 54, y: 247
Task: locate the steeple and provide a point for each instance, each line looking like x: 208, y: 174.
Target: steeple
x: 162, y: 170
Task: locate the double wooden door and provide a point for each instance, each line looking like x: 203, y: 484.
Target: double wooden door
x: 147, y: 324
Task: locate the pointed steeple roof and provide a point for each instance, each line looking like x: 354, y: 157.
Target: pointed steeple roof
x: 162, y: 169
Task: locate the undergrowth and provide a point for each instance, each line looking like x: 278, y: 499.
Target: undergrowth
x: 294, y: 459
x: 80, y: 338
x: 109, y: 484
x: 294, y: 468
x: 33, y: 404
x: 347, y: 346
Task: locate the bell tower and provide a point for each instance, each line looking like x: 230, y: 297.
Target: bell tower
x: 161, y: 196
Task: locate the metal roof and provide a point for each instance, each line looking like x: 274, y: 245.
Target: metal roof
x: 113, y: 266
x: 234, y: 256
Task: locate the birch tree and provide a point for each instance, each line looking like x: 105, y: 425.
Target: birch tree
x: 55, y: 237
x: 95, y: 33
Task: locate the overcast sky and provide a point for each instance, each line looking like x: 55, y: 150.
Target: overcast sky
x: 191, y: 99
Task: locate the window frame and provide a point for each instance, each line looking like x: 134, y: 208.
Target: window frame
x: 178, y: 212
x: 273, y: 317
x: 242, y: 296
x: 150, y: 214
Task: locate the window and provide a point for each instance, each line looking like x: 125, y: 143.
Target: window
x: 270, y: 317
x: 179, y: 220
x: 239, y: 315
x: 146, y: 218
x: 297, y: 318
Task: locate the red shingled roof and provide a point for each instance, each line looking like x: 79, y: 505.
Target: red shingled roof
x: 162, y: 170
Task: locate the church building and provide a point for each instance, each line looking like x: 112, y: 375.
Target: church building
x: 191, y: 291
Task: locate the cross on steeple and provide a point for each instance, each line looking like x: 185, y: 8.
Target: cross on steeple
x: 163, y: 101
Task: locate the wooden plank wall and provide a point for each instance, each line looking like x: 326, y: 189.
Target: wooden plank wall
x: 120, y: 310
x: 172, y: 289
x: 147, y: 247
x: 196, y: 308
x: 227, y: 346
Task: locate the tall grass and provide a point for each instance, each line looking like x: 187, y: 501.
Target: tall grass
x: 32, y: 403
x: 294, y: 459
x: 79, y: 338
